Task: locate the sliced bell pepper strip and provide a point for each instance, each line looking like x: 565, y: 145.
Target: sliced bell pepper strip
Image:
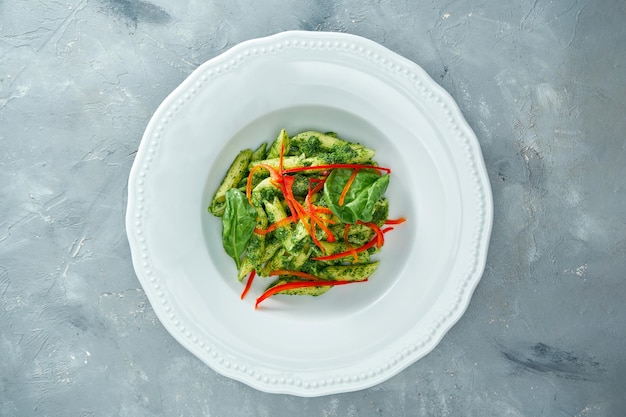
x: 276, y: 178
x: 342, y: 196
x: 380, y: 239
x: 281, y: 158
x: 320, y: 184
x: 350, y: 252
x: 316, y: 220
x: 307, y: 219
x: 248, y: 284
x: 395, y: 221
x: 274, y: 226
x: 299, y: 284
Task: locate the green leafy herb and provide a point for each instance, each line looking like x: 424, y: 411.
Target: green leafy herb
x: 366, y: 189
x: 238, y: 223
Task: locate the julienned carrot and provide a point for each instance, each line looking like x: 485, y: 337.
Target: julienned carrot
x: 334, y: 166
x: 248, y: 284
x: 299, y: 284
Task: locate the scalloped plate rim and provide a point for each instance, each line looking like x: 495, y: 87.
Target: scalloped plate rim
x: 307, y: 389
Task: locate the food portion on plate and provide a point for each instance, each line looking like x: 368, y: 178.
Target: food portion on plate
x: 307, y: 210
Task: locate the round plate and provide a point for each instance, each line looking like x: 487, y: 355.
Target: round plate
x: 354, y: 336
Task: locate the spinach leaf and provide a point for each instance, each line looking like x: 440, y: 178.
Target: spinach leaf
x: 366, y: 189
x: 238, y: 223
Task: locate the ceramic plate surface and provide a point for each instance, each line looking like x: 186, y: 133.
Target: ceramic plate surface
x: 354, y: 336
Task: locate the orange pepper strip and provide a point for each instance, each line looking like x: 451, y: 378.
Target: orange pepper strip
x: 342, y: 196
x: 274, y: 226
x: 324, y: 210
x: 395, y: 221
x: 273, y: 173
x: 299, y: 284
x: 300, y: 211
x: 248, y: 284
x: 289, y: 197
x: 282, y: 156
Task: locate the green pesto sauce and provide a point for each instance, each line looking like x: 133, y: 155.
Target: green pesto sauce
x: 339, y: 154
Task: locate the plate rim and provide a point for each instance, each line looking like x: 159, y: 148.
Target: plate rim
x: 400, y: 361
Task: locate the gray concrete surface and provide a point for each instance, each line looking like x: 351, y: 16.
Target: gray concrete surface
x: 543, y: 85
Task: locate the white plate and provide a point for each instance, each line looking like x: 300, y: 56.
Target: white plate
x: 355, y: 336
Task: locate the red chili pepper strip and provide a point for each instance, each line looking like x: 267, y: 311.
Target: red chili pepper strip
x: 300, y: 212
x: 380, y: 239
x: 312, y: 191
x: 395, y: 221
x: 350, y: 252
x: 290, y: 198
x: 335, y: 166
x: 318, y: 187
x: 296, y: 274
x: 342, y: 196
x: 299, y: 284
x: 248, y: 284
x: 340, y: 255
x: 274, y: 226
x: 316, y: 220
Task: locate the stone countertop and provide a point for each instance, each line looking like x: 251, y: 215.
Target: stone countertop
x: 543, y: 85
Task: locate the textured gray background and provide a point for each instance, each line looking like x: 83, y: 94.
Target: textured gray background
x: 543, y: 85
